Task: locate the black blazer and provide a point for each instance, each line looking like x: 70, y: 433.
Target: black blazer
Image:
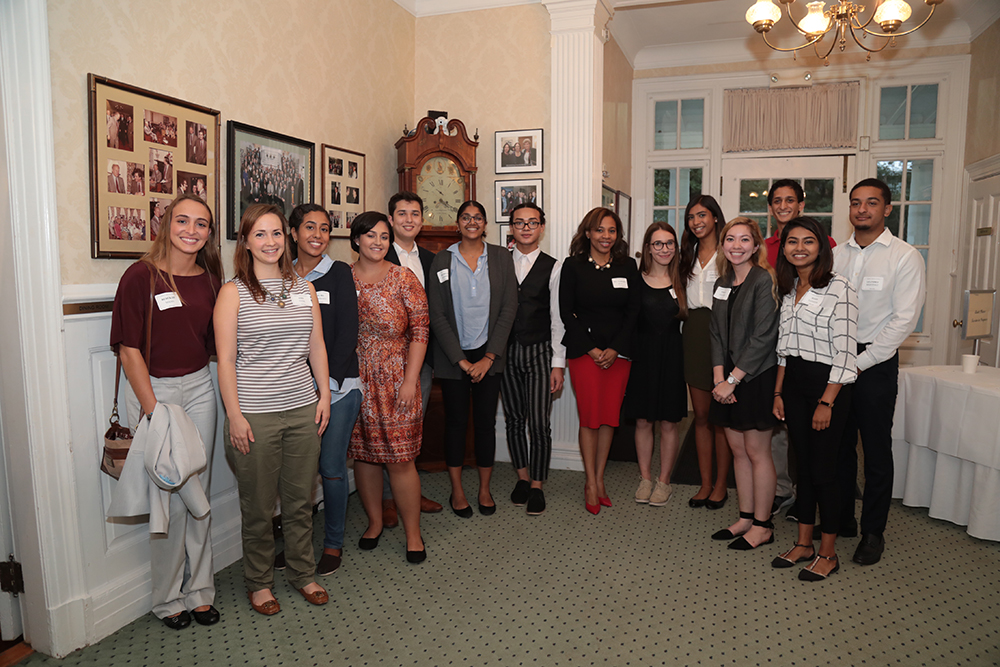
x: 426, y: 259
x: 752, y: 339
x: 594, y: 311
x: 340, y: 320
x: 448, y: 351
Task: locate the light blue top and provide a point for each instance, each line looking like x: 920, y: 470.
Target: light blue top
x: 470, y: 292
x: 324, y: 266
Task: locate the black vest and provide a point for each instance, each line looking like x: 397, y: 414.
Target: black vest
x: 533, y: 323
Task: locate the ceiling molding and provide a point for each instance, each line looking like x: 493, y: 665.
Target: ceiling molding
x: 981, y: 15
x: 422, y: 8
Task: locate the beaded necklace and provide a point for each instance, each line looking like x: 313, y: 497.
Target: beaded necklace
x: 280, y: 299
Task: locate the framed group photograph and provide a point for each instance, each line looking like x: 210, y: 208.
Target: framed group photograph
x: 511, y: 193
x: 343, y: 187
x: 518, y: 151
x: 137, y: 165
x: 265, y: 167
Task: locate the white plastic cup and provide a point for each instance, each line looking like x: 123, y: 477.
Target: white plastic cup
x: 969, y: 363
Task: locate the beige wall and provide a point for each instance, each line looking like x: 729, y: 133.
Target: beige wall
x: 321, y: 70
x: 982, y: 137
x: 491, y: 70
x: 617, y: 118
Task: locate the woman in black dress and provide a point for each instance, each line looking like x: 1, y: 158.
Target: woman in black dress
x: 656, y: 390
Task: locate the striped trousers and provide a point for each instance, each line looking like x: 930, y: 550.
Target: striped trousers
x: 527, y: 406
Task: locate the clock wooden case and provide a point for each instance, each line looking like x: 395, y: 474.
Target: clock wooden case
x: 437, y: 160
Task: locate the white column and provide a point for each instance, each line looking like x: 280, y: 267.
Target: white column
x: 34, y: 394
x: 574, y: 158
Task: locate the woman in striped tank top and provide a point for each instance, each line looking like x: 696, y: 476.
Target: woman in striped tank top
x: 268, y: 336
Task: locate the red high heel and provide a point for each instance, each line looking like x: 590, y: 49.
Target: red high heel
x: 605, y: 501
x: 593, y: 509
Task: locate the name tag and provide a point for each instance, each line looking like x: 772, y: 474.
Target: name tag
x: 301, y: 300
x: 873, y: 284
x: 323, y: 297
x: 673, y: 293
x: 442, y: 276
x: 619, y: 283
x: 722, y: 293
x: 167, y: 300
x: 811, y: 300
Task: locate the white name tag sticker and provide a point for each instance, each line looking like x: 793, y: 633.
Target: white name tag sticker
x: 722, y: 293
x: 167, y: 300
x: 619, y: 283
x: 301, y: 300
x: 442, y: 276
x: 323, y: 297
x: 873, y: 284
x: 673, y: 294
x: 811, y: 299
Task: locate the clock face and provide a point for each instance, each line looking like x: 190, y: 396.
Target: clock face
x: 442, y: 187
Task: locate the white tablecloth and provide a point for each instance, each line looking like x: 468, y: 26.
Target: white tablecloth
x: 946, y: 445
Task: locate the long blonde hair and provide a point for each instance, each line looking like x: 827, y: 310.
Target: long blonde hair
x: 758, y: 258
x: 208, y: 257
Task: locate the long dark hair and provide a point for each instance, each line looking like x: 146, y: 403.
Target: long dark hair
x: 296, y: 217
x: 580, y: 245
x: 243, y: 260
x: 822, y: 270
x: 673, y: 269
x: 689, y: 242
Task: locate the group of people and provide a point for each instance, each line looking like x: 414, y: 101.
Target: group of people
x: 518, y: 153
x: 320, y: 362
x: 262, y: 181
x: 126, y: 224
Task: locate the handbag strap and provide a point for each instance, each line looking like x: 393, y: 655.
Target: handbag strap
x: 149, y: 337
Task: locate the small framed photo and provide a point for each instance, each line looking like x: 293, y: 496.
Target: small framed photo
x: 266, y: 168
x: 518, y: 151
x: 343, y: 187
x: 137, y: 166
x: 511, y: 193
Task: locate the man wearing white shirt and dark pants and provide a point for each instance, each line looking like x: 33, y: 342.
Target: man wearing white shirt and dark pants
x: 536, y: 358
x: 889, y: 276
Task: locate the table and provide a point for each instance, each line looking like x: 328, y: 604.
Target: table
x: 946, y: 445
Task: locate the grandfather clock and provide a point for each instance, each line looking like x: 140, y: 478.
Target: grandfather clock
x: 437, y: 160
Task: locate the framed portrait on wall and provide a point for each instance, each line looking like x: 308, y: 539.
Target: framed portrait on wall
x: 518, y: 151
x: 511, y: 193
x: 145, y: 150
x: 343, y: 186
x: 265, y: 167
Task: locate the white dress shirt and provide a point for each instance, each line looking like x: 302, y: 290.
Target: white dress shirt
x: 889, y: 276
x: 410, y: 259
x: 522, y: 266
x: 822, y: 327
x: 702, y: 283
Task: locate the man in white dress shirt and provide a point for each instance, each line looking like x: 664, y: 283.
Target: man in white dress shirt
x: 536, y: 358
x: 889, y: 276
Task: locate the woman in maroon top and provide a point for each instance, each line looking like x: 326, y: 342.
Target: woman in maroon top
x: 183, y: 271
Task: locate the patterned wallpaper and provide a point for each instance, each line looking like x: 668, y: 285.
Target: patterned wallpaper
x: 983, y: 137
x: 329, y: 71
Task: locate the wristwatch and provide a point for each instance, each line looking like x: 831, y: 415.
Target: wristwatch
x: 732, y: 380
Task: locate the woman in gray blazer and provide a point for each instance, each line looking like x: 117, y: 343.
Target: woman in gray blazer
x: 744, y: 332
x: 472, y: 296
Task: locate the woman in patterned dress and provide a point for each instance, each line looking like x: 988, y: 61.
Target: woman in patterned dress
x: 392, y: 339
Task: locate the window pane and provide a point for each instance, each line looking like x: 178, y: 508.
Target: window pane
x: 661, y: 187
x: 660, y: 214
x: 761, y: 221
x: 752, y: 197
x: 826, y: 222
x: 690, y: 183
x: 665, y: 130
x: 923, y: 112
x: 919, y: 180
x: 892, y: 113
x: 819, y: 195
x: 672, y: 218
x: 692, y: 123
x: 892, y: 221
x: 891, y: 172
x: 920, y: 322
x: 917, y: 223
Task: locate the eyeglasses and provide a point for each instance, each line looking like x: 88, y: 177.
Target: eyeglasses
x: 472, y: 218
x: 660, y: 245
x: 521, y: 224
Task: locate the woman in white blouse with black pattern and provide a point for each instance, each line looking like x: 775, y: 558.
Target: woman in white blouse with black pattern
x: 817, y: 363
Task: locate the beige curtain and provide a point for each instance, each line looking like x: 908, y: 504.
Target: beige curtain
x: 763, y: 119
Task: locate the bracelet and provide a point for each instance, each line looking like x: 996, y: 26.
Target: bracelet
x: 822, y: 402
x: 777, y: 393
x: 718, y: 383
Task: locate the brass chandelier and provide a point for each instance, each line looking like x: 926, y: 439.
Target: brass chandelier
x: 842, y: 18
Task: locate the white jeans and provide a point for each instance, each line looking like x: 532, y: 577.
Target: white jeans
x: 181, y: 561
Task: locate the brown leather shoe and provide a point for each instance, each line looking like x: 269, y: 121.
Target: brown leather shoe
x: 268, y: 607
x: 428, y: 506
x: 316, y: 597
x: 390, y: 518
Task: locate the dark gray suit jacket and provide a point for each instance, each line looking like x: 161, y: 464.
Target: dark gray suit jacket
x: 752, y: 339
x: 503, y: 309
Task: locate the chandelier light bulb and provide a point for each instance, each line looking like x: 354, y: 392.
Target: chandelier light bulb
x: 814, y: 23
x: 763, y: 15
x: 891, y: 14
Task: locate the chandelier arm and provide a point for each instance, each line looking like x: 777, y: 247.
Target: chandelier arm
x: 887, y: 38
x: 788, y: 12
x: 863, y: 26
x: 833, y: 45
x: 900, y: 34
x: 786, y: 50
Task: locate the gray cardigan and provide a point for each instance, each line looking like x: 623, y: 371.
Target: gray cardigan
x: 753, y: 338
x: 503, y: 309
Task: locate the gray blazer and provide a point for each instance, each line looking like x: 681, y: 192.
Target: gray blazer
x: 752, y: 339
x: 503, y: 309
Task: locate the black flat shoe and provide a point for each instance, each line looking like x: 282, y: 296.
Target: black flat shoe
x: 807, y: 574
x: 536, y: 502
x: 416, y: 556
x: 697, y: 502
x: 465, y: 512
x: 178, y: 622
x: 519, y: 496
x: 742, y: 544
x: 369, y: 543
x: 784, y: 561
x: 717, y: 504
x: 210, y: 616
x: 487, y: 510
x: 726, y: 534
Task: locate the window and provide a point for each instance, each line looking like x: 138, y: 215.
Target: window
x: 679, y: 118
x: 819, y: 201
x: 908, y: 112
x: 672, y: 190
